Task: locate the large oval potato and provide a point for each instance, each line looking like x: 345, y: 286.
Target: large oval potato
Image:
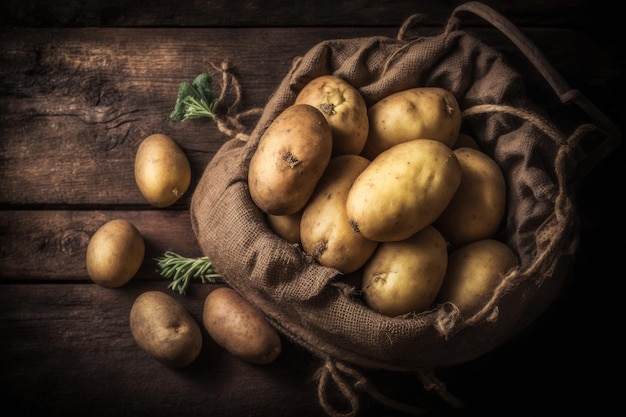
x: 325, y: 231
x: 403, y: 190
x: 477, y: 208
x: 417, y: 113
x: 474, y: 271
x: 115, y: 253
x: 344, y: 108
x: 164, y: 328
x: 405, y: 276
x: 239, y: 327
x: 290, y: 158
x: 162, y: 170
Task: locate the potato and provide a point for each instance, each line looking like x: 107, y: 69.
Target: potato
x: 418, y: 113
x: 405, y: 276
x: 474, y: 271
x: 239, y: 327
x: 325, y: 231
x: 162, y: 171
x: 115, y: 253
x: 465, y: 141
x: 477, y: 208
x: 344, y: 108
x: 290, y: 158
x: 403, y: 190
x: 286, y: 226
x: 163, y: 327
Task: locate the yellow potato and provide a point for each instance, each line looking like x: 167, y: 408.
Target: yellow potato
x: 162, y: 171
x: 417, y: 113
x: 478, y: 206
x: 164, y: 328
x: 474, y: 271
x: 465, y: 141
x: 114, y: 253
x: 404, y: 277
x: 286, y: 226
x: 344, y: 108
x: 290, y: 158
x: 325, y: 232
x: 239, y: 327
x: 403, y: 190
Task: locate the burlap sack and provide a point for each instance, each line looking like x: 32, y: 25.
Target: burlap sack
x: 304, y: 301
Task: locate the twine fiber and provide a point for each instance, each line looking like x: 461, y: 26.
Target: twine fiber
x: 305, y: 301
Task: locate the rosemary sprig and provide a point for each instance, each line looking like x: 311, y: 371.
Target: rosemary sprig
x: 181, y: 270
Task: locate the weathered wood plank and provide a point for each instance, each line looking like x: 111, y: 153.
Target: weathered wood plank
x: 275, y: 13
x: 76, y: 103
x: 71, y: 350
x: 52, y: 244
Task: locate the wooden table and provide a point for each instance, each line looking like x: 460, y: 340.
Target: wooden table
x: 82, y: 83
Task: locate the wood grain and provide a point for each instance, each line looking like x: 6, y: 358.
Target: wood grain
x: 245, y: 13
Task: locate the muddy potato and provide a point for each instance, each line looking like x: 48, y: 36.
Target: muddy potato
x: 290, y: 158
x: 417, y: 113
x: 239, y: 327
x: 325, y: 231
x: 344, y: 108
x: 286, y: 226
x: 164, y: 328
x: 403, y: 190
x: 162, y: 170
x: 114, y: 253
x: 405, y: 276
x: 474, y: 271
x: 478, y: 206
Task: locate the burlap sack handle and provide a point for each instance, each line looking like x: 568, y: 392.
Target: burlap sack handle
x: 564, y: 92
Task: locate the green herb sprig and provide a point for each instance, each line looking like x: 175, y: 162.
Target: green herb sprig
x: 181, y: 270
x: 195, y: 99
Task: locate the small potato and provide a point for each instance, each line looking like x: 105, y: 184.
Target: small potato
x: 289, y: 160
x: 465, y: 141
x: 286, y: 226
x: 404, y: 277
x: 239, y: 327
x: 164, y: 328
x: 478, y: 206
x: 403, y: 190
x: 115, y: 253
x: 474, y: 271
x: 325, y: 231
x: 344, y: 108
x: 418, y: 113
x: 162, y: 171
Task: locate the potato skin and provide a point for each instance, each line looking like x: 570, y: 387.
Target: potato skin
x: 239, y: 327
x: 474, y: 271
x: 290, y: 158
x: 162, y: 170
x: 403, y: 190
x: 325, y: 231
x: 405, y: 276
x: 465, y: 141
x: 164, y: 328
x: 417, y: 113
x: 344, y: 108
x: 115, y: 253
x: 478, y: 206
x: 286, y: 226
